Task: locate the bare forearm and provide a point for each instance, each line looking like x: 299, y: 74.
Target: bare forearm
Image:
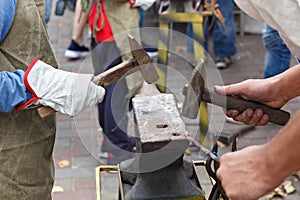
x: 283, y: 151
x: 261, y: 168
x: 80, y: 20
x: 287, y: 84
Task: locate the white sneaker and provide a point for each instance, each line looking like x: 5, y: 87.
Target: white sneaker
x: 76, y: 51
x: 223, y: 63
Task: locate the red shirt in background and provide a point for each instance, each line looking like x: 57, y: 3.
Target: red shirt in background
x: 105, y: 34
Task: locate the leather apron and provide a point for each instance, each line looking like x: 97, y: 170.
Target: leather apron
x: 26, y: 141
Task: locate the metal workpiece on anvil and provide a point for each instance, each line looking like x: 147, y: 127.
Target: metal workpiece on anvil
x: 158, y: 123
x: 160, y: 148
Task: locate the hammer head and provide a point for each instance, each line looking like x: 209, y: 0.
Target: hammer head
x: 193, y: 93
x: 147, y: 68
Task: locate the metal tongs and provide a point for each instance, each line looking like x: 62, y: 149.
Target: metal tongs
x: 211, y: 165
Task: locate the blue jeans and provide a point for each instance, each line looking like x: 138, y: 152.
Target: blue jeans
x: 224, y: 45
x: 277, y: 57
x: 48, y: 9
x: 142, y: 17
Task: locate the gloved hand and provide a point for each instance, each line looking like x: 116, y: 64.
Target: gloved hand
x: 145, y: 4
x: 66, y: 92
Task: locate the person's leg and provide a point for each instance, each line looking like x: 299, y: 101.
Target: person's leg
x: 113, y: 110
x: 224, y: 40
x: 190, y: 38
x: 48, y: 9
x: 142, y: 17
x: 76, y: 48
x: 278, y: 56
x: 207, y: 23
x: 150, y: 48
x: 71, y: 4
x: 79, y: 22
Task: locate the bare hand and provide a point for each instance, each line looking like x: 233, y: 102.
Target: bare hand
x: 252, y: 89
x: 245, y: 174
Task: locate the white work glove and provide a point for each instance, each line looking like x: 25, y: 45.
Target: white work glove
x: 145, y: 4
x: 66, y: 92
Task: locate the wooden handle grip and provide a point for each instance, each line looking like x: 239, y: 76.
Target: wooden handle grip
x: 104, y: 79
x: 114, y: 74
x: 276, y: 116
x: 45, y: 111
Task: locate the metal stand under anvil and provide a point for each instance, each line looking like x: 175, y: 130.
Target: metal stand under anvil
x: 158, y: 170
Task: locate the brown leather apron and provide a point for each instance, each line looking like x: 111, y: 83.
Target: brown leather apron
x: 26, y: 141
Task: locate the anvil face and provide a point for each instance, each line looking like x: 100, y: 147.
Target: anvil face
x: 159, y: 124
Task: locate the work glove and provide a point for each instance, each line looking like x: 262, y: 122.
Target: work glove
x: 66, y: 92
x: 145, y: 4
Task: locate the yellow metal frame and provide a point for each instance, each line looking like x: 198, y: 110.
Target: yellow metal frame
x: 202, y: 163
x: 108, y: 168
x: 197, y: 22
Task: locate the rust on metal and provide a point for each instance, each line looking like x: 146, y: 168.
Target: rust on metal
x: 158, y: 121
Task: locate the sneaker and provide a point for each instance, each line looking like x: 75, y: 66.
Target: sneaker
x: 164, y: 7
x: 75, y: 51
x: 152, y: 54
x: 223, y: 62
x: 151, y: 51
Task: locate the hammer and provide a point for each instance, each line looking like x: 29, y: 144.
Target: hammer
x: 196, y: 92
x: 141, y: 60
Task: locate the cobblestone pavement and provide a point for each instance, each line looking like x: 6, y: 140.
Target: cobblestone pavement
x: 78, y: 140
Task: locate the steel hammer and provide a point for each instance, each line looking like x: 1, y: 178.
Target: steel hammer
x: 195, y: 92
x: 140, y: 61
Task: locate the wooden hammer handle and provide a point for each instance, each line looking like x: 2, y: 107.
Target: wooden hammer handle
x: 114, y: 74
x: 104, y: 79
x: 276, y: 116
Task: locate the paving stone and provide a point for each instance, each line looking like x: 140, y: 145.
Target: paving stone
x: 88, y: 132
x: 65, y: 133
x: 63, y: 143
x: 88, y: 194
x: 64, y: 124
x: 70, y: 173
x: 65, y: 184
x: 67, y: 152
x: 86, y: 162
x: 85, y: 183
